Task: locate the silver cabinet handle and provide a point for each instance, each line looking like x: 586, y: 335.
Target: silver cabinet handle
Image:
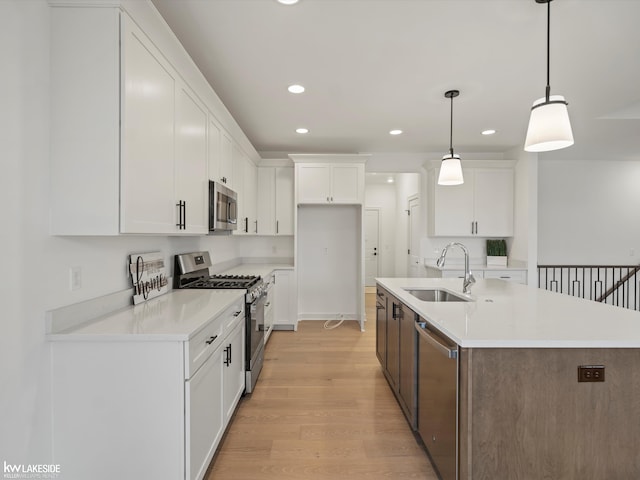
x: 450, y: 352
x: 277, y: 229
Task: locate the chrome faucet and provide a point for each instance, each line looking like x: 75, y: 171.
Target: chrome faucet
x: 468, y: 276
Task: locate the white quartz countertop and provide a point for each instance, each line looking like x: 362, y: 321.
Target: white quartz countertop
x: 175, y: 316
x: 262, y: 269
x: 508, y: 315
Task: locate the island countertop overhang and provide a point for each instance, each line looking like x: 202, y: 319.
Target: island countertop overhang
x: 508, y: 315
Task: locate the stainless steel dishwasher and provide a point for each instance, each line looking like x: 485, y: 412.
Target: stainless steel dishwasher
x: 438, y: 399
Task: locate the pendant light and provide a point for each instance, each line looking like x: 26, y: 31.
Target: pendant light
x: 451, y: 168
x: 549, y: 125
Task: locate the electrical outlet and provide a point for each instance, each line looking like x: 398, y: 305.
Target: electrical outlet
x: 591, y: 373
x: 75, y: 278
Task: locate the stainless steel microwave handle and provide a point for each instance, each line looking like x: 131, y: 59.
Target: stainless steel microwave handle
x: 450, y: 352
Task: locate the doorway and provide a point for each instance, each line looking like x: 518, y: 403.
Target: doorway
x: 371, y: 246
x: 414, y: 269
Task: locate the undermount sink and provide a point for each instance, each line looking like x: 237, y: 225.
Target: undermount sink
x: 436, y: 295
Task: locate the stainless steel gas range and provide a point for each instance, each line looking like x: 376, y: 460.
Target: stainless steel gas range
x: 192, y: 271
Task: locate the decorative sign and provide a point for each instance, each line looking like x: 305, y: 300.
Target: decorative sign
x: 148, y: 276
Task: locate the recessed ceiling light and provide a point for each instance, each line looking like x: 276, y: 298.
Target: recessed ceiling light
x: 288, y: 2
x: 488, y: 132
x: 395, y: 132
x: 302, y: 130
x: 296, y: 88
x: 390, y: 180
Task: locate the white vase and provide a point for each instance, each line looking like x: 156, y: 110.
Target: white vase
x: 496, y: 261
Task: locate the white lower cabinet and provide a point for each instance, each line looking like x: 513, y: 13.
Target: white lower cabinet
x: 147, y: 408
x: 233, y: 373
x: 285, y: 314
x: 205, y: 426
x: 269, y: 306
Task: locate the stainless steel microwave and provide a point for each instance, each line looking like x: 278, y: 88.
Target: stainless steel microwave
x: 223, y: 208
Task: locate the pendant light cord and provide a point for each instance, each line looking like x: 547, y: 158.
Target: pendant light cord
x: 548, y: 89
x: 451, y: 130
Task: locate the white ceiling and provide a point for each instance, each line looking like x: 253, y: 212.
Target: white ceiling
x: 370, y: 66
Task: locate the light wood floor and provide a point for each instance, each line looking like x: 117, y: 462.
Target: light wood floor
x: 321, y: 409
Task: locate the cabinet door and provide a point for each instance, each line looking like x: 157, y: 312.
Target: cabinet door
x: 452, y: 207
x: 226, y: 161
x: 233, y: 370
x: 284, y: 200
x: 249, y: 192
x: 493, y: 202
x: 346, y: 184
x: 192, y: 186
x: 238, y: 176
x: 393, y: 341
x: 408, y: 339
x: 313, y: 183
x: 214, y: 153
x: 267, y: 205
x: 284, y: 298
x: 147, y: 203
x: 381, y: 327
x: 204, y: 415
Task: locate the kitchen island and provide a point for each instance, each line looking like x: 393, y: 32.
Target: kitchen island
x: 521, y: 411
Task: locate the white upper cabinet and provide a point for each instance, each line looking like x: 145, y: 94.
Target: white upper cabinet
x: 245, y: 184
x: 334, y: 183
x: 220, y: 161
x: 192, y: 184
x: 275, y: 208
x: 284, y: 200
x: 250, y: 194
x: 482, y: 206
x: 133, y: 139
x: 148, y: 143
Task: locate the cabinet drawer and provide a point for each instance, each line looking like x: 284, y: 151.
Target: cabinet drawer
x: 202, y: 345
x: 517, y: 276
x: 232, y: 316
x: 205, y: 342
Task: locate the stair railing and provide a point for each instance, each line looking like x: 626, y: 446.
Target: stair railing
x: 617, y: 285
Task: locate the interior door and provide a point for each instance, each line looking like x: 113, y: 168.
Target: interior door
x: 371, y: 247
x: 415, y: 269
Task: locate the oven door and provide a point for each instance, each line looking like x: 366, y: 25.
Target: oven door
x: 255, y: 330
x: 255, y: 342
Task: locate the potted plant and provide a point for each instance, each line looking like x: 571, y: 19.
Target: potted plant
x: 496, y: 253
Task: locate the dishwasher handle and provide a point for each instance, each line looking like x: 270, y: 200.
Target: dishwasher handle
x: 450, y: 352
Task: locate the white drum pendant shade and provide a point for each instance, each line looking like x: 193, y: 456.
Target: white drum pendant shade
x: 450, y: 171
x: 549, y: 125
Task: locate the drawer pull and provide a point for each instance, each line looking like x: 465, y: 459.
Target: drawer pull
x: 504, y: 276
x: 211, y: 340
x: 237, y: 313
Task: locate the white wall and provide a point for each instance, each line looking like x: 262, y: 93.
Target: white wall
x: 407, y: 185
x: 523, y: 247
x: 262, y: 247
x: 329, y: 261
x: 383, y: 197
x: 589, y: 212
